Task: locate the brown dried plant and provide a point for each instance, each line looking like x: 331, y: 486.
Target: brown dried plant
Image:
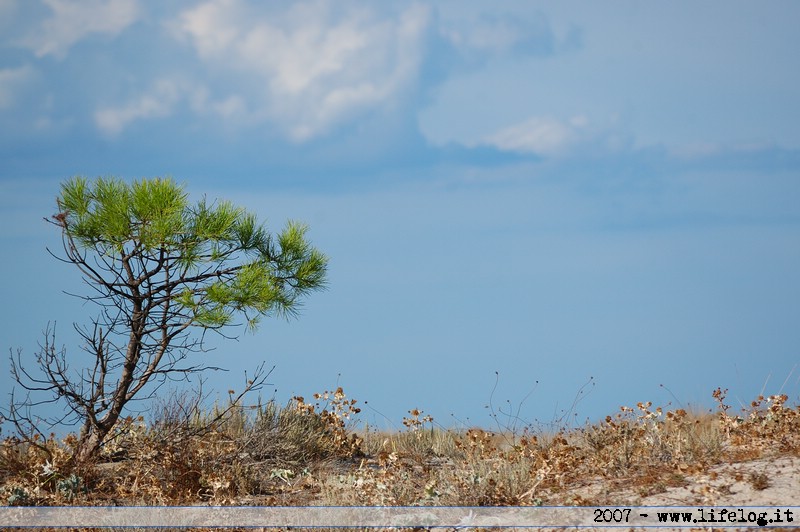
x: 310, y: 453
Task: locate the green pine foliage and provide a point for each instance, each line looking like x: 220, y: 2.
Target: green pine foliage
x: 223, y: 260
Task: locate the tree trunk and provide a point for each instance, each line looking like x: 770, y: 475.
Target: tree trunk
x: 89, y: 444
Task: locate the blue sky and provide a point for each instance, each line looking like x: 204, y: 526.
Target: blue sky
x: 555, y: 192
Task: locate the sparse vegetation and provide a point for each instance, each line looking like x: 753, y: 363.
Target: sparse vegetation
x: 313, y: 453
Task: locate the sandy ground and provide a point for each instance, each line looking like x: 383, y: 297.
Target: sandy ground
x: 771, y: 481
x: 764, y: 482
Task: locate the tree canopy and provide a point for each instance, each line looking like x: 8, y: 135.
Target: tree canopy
x: 215, y: 258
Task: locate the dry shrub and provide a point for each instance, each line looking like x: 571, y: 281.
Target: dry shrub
x: 487, y: 475
x: 768, y: 427
x: 647, y: 437
x: 422, y: 439
x: 406, y: 470
x: 394, y: 469
x: 41, y: 472
x: 257, y: 451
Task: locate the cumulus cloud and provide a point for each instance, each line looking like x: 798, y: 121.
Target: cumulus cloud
x: 540, y: 135
x: 73, y: 20
x: 158, y: 101
x: 312, y: 65
x: 11, y: 82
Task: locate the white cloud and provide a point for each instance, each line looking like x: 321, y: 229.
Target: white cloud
x: 159, y: 101
x: 227, y: 108
x: 313, y: 65
x: 162, y: 99
x: 499, y: 33
x: 540, y: 135
x: 11, y: 82
x: 72, y: 20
